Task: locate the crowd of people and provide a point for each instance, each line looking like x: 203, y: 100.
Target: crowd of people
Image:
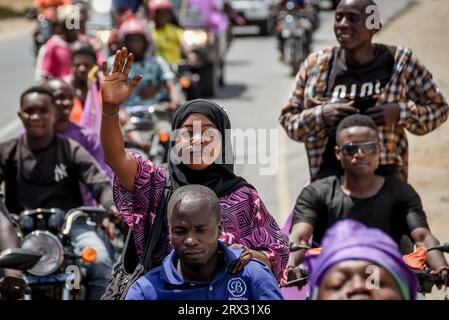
x: 351, y: 107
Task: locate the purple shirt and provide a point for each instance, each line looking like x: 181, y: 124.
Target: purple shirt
x: 245, y: 219
x: 91, y: 142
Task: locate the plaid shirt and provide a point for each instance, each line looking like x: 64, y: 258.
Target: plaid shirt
x: 422, y: 108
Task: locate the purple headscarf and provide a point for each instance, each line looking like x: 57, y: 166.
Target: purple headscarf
x: 351, y: 240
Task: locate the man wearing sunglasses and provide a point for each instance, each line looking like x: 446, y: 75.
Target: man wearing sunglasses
x: 386, y: 203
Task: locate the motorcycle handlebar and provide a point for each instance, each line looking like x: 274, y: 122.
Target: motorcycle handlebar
x: 426, y: 279
x: 443, y: 248
x: 146, y: 108
x: 296, y: 247
x: 40, y: 211
x: 76, y: 213
x: 297, y: 282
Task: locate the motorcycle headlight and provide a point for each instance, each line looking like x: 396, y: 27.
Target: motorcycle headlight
x: 285, y: 33
x: 102, y: 6
x: 49, y: 246
x: 195, y: 38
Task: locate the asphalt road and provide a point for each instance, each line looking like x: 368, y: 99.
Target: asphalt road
x: 257, y: 85
x: 16, y: 74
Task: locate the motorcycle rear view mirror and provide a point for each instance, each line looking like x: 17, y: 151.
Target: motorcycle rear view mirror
x: 443, y: 248
x: 18, y: 259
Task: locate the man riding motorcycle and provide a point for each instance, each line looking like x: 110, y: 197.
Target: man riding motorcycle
x: 157, y: 76
x: 167, y: 36
x: 301, y: 8
x: 43, y: 170
x: 385, y: 203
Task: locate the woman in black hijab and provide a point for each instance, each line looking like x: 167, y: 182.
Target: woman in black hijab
x: 200, y: 153
x: 219, y: 174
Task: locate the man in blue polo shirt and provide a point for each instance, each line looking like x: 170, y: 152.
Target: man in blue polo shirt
x: 197, y: 269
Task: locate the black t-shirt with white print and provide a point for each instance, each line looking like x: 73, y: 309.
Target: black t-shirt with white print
x: 359, y: 83
x: 50, y: 177
x: 396, y: 209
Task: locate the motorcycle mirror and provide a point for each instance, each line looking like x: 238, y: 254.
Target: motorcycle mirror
x: 18, y: 259
x: 443, y: 248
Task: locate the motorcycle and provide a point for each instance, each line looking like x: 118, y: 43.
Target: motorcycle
x: 188, y: 82
x: 235, y: 19
x: 60, y: 272
x: 18, y: 259
x: 312, y: 11
x: 43, y: 30
x: 294, y: 36
x: 208, y: 43
x: 153, y: 124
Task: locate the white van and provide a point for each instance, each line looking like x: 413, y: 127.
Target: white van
x: 256, y: 12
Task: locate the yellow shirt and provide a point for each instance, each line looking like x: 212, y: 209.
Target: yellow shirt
x: 168, y: 42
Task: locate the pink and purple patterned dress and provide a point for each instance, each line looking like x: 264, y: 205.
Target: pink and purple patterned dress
x: 245, y: 219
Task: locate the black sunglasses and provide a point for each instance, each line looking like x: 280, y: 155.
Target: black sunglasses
x: 352, y: 148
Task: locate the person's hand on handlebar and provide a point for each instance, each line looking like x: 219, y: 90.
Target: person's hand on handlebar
x: 443, y: 272
x: 108, y: 222
x: 116, y: 216
x: 12, y: 286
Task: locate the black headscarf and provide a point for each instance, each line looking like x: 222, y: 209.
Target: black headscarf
x: 219, y: 176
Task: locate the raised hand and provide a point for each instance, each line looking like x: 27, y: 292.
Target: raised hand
x: 115, y: 88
